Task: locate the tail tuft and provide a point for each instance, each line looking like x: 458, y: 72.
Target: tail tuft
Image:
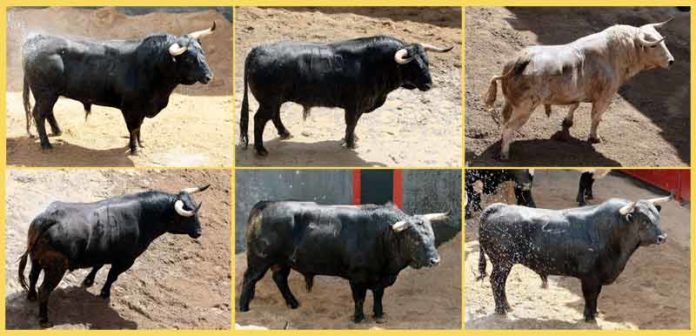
x: 309, y: 282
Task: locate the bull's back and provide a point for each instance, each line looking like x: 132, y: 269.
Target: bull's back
x: 92, y: 233
x: 309, y: 74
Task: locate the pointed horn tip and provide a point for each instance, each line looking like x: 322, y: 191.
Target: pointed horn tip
x: 213, y: 27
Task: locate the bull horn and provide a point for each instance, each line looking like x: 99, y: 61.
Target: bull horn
x: 660, y: 200
x: 179, y: 207
x: 649, y: 43
x: 195, y: 189
x: 660, y: 24
x: 400, y: 226
x: 176, y: 50
x: 627, y: 208
x: 430, y: 47
x: 401, y: 56
x: 202, y: 33
x: 433, y: 217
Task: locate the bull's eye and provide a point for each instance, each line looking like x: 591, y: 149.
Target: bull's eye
x: 653, y: 46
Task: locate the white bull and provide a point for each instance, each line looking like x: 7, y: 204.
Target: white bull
x: 590, y: 69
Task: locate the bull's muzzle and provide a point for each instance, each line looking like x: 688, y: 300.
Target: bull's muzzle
x: 434, y: 261
x: 661, y: 239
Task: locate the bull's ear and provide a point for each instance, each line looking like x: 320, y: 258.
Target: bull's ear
x: 659, y: 208
x: 400, y: 226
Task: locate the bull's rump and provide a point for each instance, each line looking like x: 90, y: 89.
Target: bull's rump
x: 309, y: 74
x: 547, y: 241
x: 90, y: 233
x: 84, y: 70
x: 314, y: 239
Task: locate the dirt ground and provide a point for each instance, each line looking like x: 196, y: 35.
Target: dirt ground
x: 412, y: 128
x: 194, y: 130
x: 651, y: 293
x: 178, y: 282
x: 647, y: 123
x: 420, y: 299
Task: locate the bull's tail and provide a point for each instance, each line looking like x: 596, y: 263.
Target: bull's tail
x: 482, y: 264
x: 88, y: 110
x: 27, y: 105
x: 516, y: 69
x: 32, y: 237
x: 492, y: 92
x: 244, y: 119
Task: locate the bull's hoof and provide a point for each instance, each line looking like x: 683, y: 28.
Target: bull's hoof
x: 380, y: 319
x: 31, y: 296
x: 590, y: 319
x: 244, y: 140
x: 46, y: 146
x: 294, y: 304
x: 243, y: 308
x: 502, y: 157
x: 350, y: 145
x: 500, y: 311
x: 260, y: 151
x: 104, y: 295
x: 133, y: 152
x: 44, y: 323
x: 285, y: 135
x: 358, y: 318
x: 56, y: 133
x: 594, y: 140
x: 140, y: 144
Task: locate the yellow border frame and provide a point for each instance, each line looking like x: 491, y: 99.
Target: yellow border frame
x: 351, y: 3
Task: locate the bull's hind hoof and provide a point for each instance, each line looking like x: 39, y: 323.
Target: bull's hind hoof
x: 594, y: 140
x: 561, y: 136
x: 380, y: 319
x: 87, y: 283
x: 243, y: 309
x: 104, y: 295
x: 56, y: 134
x: 46, y: 147
x: 261, y: 151
x: 294, y: 304
x: 358, y: 318
x: 284, y: 136
x: 31, y: 296
x: 500, y: 311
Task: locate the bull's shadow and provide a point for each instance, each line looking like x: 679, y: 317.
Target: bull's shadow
x: 67, y: 306
x: 25, y: 151
x: 503, y: 322
x: 661, y: 95
x: 289, y: 153
x: 571, y: 153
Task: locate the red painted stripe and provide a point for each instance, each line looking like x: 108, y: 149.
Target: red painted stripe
x: 397, y: 189
x: 356, y: 186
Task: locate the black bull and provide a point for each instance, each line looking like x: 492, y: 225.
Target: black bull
x: 115, y: 231
x: 355, y: 75
x: 135, y: 76
x: 368, y: 245
x: 591, y: 243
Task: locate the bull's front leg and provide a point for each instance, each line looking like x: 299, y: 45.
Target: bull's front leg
x: 359, y: 293
x: 590, y: 290
x: 89, y: 279
x: 378, y: 310
x: 598, y: 109
x: 133, y: 122
x: 114, y: 272
x: 351, y: 116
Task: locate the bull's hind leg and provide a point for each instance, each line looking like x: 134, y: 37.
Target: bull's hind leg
x: 54, y: 269
x: 254, y: 273
x: 262, y: 116
x: 520, y: 115
x: 280, y: 277
x: 283, y: 132
x: 33, y: 278
x: 89, y: 279
x: 42, y: 110
x: 498, y: 278
x: 55, y: 129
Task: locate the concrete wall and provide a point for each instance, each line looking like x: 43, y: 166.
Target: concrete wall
x: 427, y: 191
x: 424, y: 191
